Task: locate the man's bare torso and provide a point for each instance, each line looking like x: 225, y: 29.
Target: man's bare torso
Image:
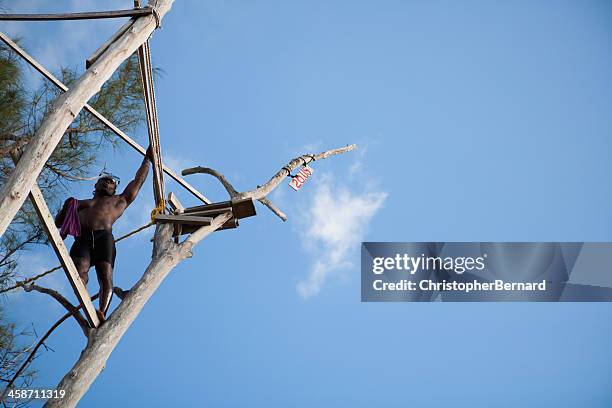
x: 100, y: 213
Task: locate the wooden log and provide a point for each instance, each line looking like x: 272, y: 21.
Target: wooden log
x: 210, y: 213
x: 89, y: 15
x: 183, y: 219
x: 48, y: 222
x: 211, y: 206
x: 175, y: 204
x: 132, y: 143
x: 241, y: 208
x: 64, y: 256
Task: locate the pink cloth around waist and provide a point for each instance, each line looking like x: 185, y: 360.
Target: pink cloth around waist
x: 71, y: 224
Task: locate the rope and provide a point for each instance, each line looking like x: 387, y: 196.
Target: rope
x: 155, y: 15
x: 155, y: 123
x: 146, y: 71
x: 32, y: 279
x: 136, y: 231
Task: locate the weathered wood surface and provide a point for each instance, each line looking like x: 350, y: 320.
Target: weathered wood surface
x: 94, y: 57
x: 175, y: 204
x: 132, y: 143
x: 89, y: 15
x: 183, y: 219
x: 64, y: 256
x: 241, y: 208
x: 56, y: 241
x: 65, y: 109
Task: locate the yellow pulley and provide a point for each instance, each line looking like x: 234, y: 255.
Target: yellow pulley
x: 158, y: 210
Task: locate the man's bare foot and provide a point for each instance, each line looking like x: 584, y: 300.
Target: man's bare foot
x: 101, y: 316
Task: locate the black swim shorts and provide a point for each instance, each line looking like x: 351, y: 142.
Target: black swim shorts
x: 96, y: 246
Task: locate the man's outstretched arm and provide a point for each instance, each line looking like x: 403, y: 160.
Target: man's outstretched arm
x: 133, y: 187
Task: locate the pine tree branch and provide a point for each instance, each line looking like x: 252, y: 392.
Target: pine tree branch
x: 64, y: 302
x: 5, y: 151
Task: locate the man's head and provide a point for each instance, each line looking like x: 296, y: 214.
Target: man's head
x: 106, y: 185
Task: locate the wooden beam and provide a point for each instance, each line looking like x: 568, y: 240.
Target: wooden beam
x: 210, y: 213
x: 241, y: 208
x: 64, y: 256
x: 37, y: 66
x: 175, y: 204
x: 183, y: 219
x: 177, y: 208
x: 48, y: 222
x: 211, y: 206
x: 94, y: 57
x: 229, y: 224
x: 90, y: 15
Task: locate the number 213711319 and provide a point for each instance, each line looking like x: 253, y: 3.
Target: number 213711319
x: 300, y: 178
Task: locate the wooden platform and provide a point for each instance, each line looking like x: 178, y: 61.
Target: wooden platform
x: 240, y: 208
x: 188, y: 220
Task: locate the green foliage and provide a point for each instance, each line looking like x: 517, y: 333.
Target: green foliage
x: 12, y: 95
x: 12, y: 354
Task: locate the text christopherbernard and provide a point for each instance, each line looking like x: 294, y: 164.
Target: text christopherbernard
x: 473, y: 286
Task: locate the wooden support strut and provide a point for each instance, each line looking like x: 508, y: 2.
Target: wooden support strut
x: 188, y: 220
x: 90, y: 15
x: 99, y: 116
x: 175, y: 204
x: 183, y: 219
x: 48, y: 222
x: 176, y: 208
x: 94, y: 57
x: 241, y: 208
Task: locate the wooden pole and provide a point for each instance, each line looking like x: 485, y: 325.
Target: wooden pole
x: 40, y: 205
x: 90, y: 15
x: 132, y: 143
x: 62, y: 253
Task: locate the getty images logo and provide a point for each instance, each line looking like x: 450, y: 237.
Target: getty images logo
x: 411, y: 264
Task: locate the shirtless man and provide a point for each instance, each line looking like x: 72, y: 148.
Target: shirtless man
x: 96, y: 244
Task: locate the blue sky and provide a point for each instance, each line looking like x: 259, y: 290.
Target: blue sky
x: 476, y: 121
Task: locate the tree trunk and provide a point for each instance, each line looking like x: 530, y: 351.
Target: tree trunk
x: 102, y: 341
x: 67, y: 107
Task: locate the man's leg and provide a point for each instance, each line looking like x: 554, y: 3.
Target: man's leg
x: 82, y: 266
x: 104, y: 270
